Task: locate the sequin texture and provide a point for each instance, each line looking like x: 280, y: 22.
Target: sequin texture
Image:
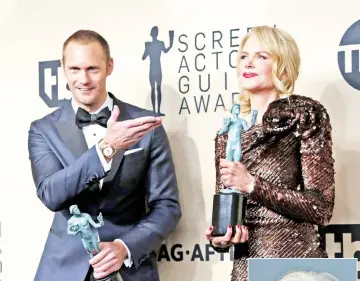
x: 290, y: 155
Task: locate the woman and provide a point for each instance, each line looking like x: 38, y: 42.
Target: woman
x: 287, y: 169
x: 308, y: 276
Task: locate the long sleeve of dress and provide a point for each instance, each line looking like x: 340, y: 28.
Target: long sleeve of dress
x: 313, y: 200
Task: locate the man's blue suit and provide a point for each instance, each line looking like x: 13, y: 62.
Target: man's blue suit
x: 66, y: 172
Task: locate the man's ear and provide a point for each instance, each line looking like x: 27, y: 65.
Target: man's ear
x: 63, y: 65
x: 110, y: 66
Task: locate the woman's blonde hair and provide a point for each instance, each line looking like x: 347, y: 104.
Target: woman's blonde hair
x: 308, y: 276
x: 285, y: 53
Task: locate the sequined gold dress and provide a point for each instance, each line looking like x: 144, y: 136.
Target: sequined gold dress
x: 290, y: 155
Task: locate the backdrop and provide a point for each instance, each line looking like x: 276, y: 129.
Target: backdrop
x: 198, y: 82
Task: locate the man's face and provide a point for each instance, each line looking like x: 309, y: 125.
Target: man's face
x: 86, y: 69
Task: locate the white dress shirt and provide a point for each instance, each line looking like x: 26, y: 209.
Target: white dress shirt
x: 93, y: 133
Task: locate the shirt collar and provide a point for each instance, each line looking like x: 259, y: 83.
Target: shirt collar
x: 108, y: 102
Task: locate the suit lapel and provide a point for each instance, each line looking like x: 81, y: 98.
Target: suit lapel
x: 124, y: 115
x: 72, y: 136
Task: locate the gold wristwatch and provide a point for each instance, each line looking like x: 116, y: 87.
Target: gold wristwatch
x: 106, y: 149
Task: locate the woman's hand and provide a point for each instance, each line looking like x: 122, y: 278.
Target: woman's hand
x: 241, y: 236
x: 235, y: 175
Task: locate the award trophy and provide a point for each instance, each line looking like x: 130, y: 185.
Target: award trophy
x: 229, y: 204
x: 79, y: 224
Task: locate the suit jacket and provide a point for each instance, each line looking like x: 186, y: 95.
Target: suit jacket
x: 66, y: 172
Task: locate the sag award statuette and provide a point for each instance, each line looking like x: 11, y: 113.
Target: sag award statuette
x: 79, y: 224
x: 229, y: 204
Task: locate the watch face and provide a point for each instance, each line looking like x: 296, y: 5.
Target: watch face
x: 108, y: 151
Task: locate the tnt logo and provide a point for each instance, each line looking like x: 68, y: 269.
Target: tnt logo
x: 52, y: 85
x: 342, y: 241
x: 348, y: 56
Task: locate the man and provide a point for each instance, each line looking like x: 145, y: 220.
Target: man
x: 107, y: 156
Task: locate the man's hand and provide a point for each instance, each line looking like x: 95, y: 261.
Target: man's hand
x: 109, y: 259
x: 121, y: 135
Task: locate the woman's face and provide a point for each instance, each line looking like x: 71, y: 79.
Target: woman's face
x: 255, y: 67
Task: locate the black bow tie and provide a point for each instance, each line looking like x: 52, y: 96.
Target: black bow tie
x: 84, y: 118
